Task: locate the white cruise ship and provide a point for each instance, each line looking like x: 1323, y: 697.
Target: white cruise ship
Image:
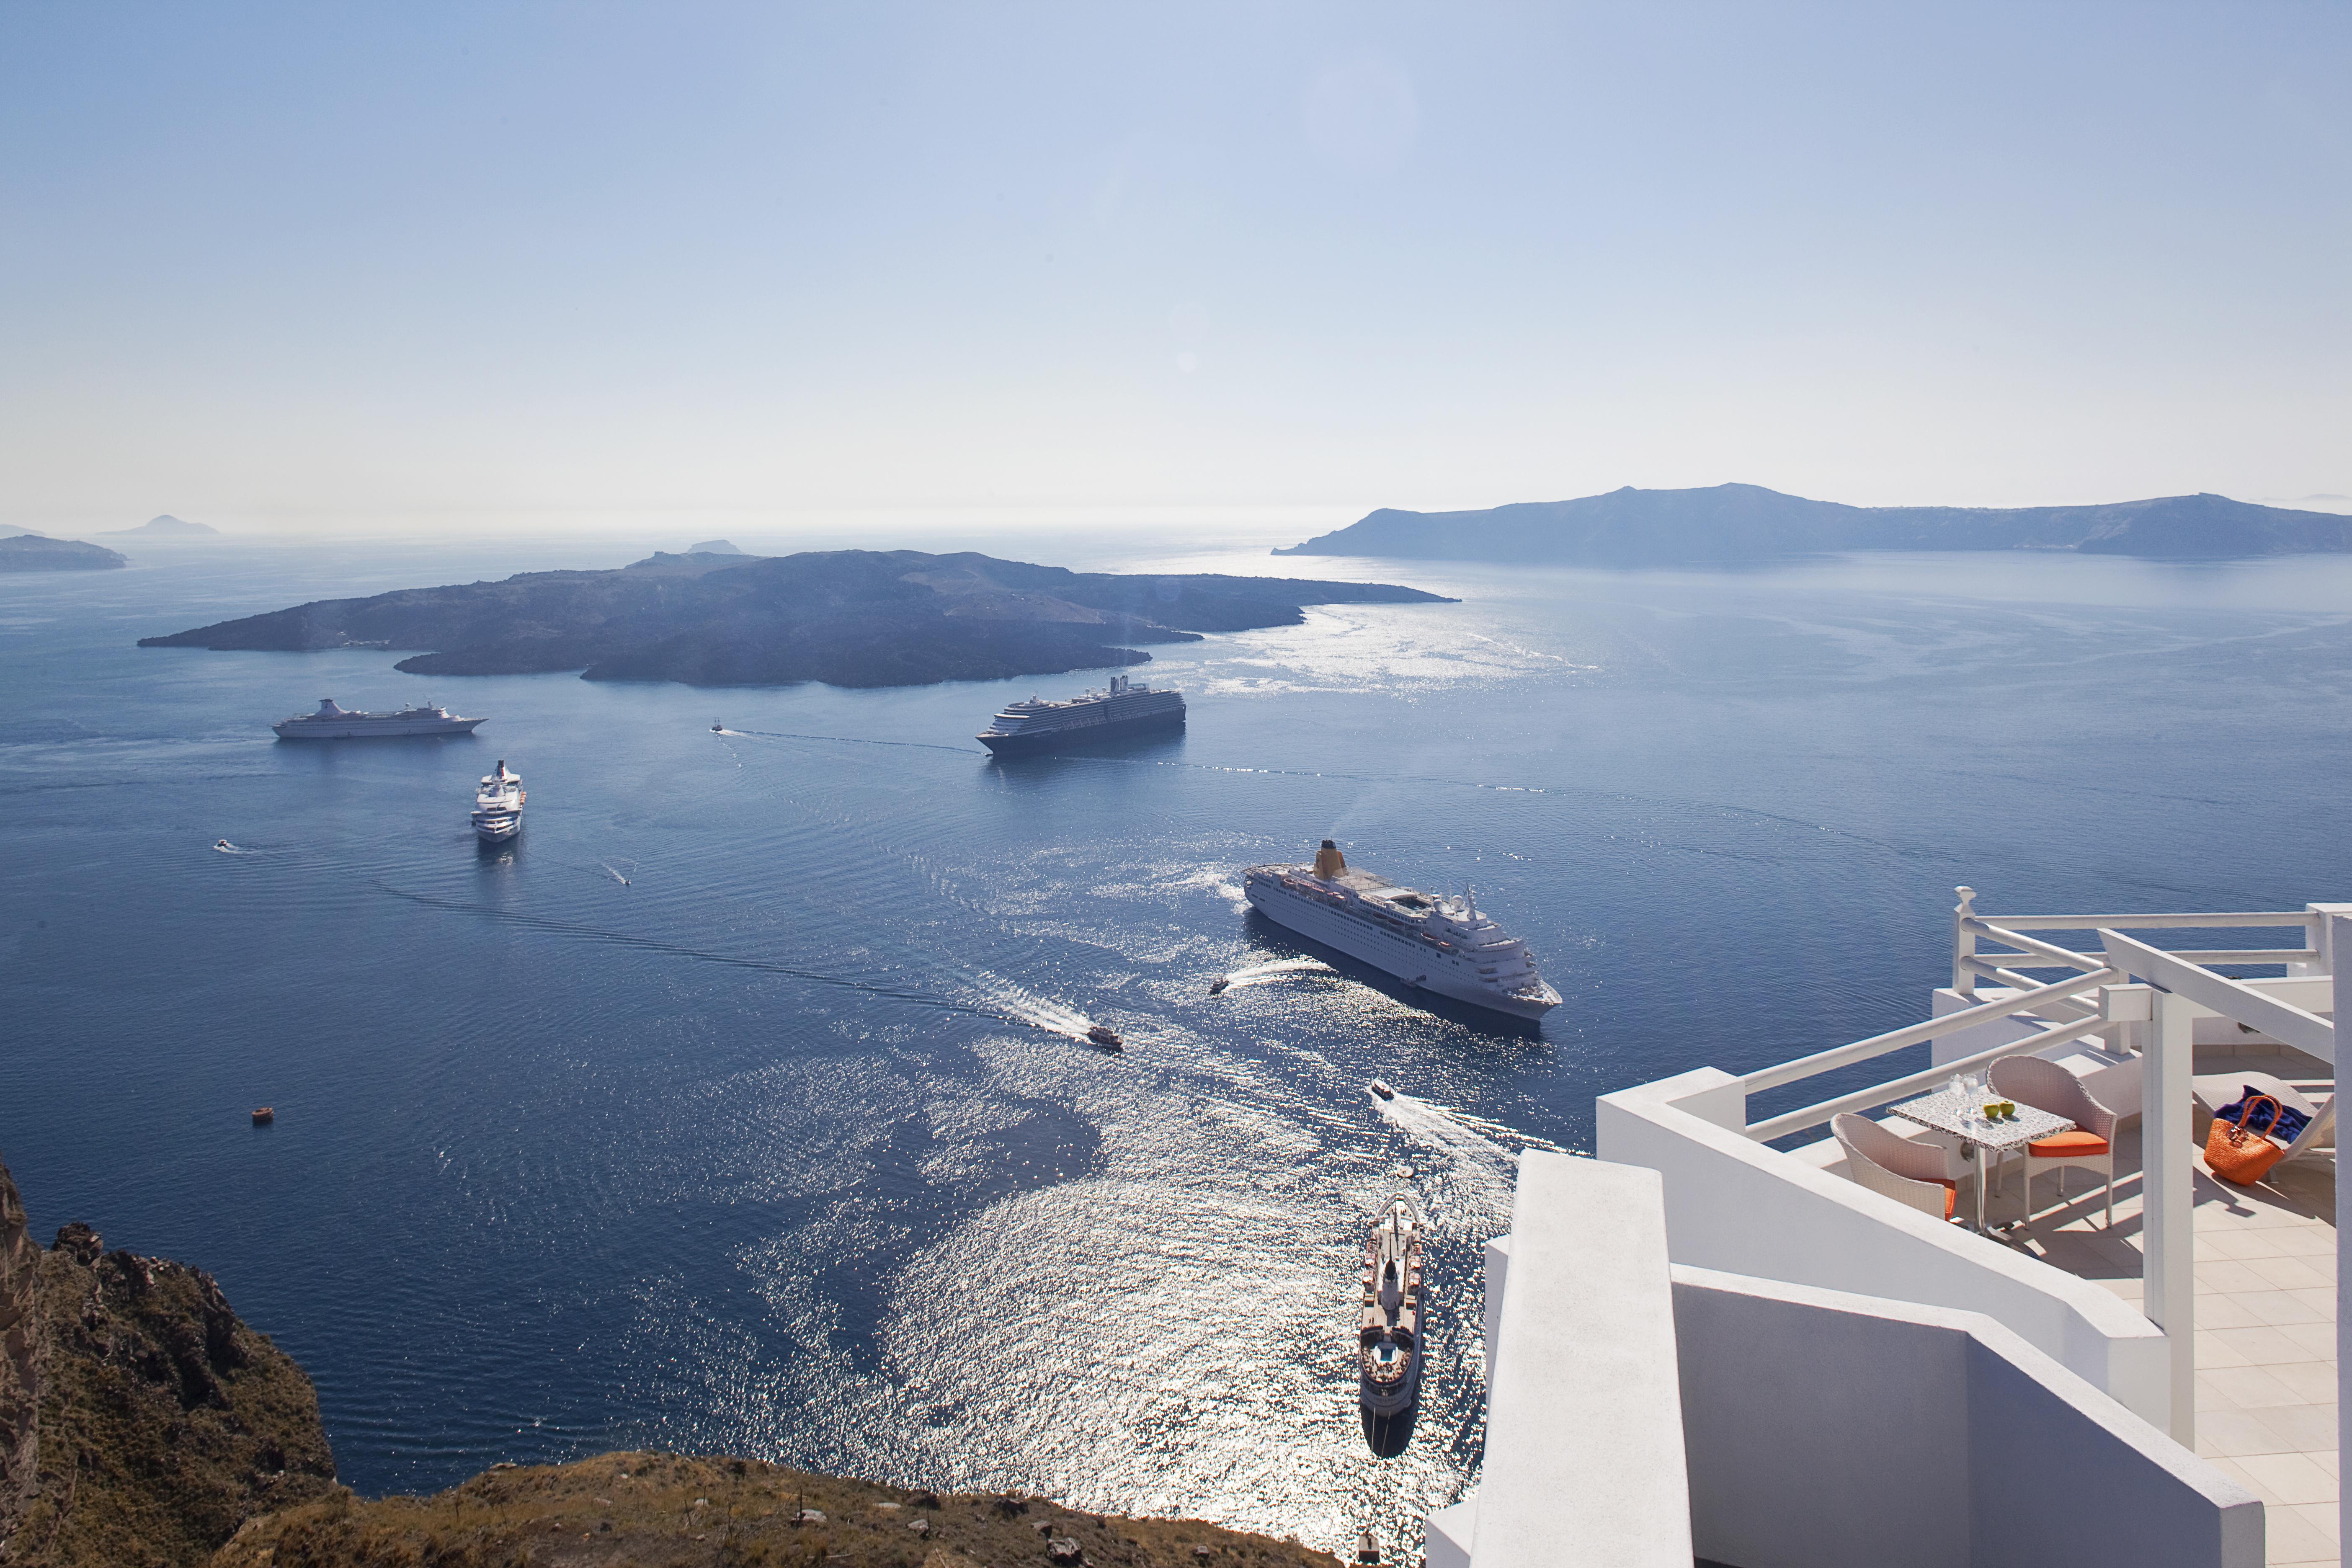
x: 334, y: 723
x: 1123, y: 709
x: 497, y: 805
x: 1437, y: 945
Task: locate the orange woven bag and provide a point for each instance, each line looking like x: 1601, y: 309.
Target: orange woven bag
x: 2236, y: 1154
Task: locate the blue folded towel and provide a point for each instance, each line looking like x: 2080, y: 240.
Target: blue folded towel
x: 2290, y: 1121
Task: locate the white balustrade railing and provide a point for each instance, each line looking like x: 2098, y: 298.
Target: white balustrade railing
x: 2076, y: 1005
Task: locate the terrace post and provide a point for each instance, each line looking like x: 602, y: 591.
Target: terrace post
x: 1964, y: 942
x: 2168, y: 1201
x: 2336, y: 937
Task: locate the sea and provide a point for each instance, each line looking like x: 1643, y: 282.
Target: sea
x: 743, y: 1105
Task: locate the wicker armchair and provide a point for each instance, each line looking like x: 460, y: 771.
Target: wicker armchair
x: 2046, y: 1086
x: 1888, y: 1162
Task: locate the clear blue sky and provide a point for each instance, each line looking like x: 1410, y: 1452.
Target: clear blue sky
x: 265, y: 266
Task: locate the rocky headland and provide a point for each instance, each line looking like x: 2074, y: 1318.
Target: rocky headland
x: 1737, y: 524
x: 143, y: 1426
x: 141, y: 1422
x: 38, y: 552
x: 847, y: 617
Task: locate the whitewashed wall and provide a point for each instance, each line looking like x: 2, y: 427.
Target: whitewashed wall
x: 1826, y: 1430
x: 1736, y: 1206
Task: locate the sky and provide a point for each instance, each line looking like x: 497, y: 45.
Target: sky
x: 855, y: 268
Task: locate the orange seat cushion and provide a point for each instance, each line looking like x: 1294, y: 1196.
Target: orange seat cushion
x: 2075, y: 1146
x: 1951, y: 1195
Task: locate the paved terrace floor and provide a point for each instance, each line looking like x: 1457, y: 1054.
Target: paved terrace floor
x: 2265, y: 1315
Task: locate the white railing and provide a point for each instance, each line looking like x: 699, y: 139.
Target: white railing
x: 2078, y: 1004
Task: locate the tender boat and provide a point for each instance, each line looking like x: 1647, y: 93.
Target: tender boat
x: 1389, y: 1330
x: 264, y: 1114
x: 497, y: 805
x: 1383, y: 1089
x: 1100, y: 1034
x: 1217, y: 987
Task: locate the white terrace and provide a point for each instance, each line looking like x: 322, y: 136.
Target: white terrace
x: 2181, y: 1365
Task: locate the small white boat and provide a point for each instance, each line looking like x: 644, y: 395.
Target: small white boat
x: 497, y: 805
x: 1383, y: 1089
x: 1389, y: 1330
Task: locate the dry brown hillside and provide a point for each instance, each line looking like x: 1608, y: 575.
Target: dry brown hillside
x: 661, y: 1510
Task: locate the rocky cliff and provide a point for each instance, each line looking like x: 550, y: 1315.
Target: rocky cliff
x: 141, y: 1422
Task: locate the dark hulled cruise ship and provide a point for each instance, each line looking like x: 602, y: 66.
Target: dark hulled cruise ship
x: 1124, y: 709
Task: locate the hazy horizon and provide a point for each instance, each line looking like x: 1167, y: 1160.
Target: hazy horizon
x: 885, y: 274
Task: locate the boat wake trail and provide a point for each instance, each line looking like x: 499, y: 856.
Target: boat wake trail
x: 615, y: 875
x: 1280, y: 969
x: 223, y: 847
x: 990, y: 997
x: 858, y: 741
x: 996, y: 997
x: 1470, y: 1185
x: 703, y: 955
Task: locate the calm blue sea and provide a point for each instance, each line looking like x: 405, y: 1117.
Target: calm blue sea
x: 738, y: 1106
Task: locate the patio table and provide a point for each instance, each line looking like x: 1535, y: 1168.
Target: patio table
x: 1962, y: 1116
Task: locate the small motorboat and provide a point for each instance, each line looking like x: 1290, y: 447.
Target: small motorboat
x: 1383, y: 1089
x: 222, y: 844
x: 718, y: 727
x: 1217, y: 987
x: 1100, y: 1034
x: 264, y: 1114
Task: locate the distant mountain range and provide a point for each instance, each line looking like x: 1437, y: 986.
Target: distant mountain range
x: 1740, y: 523
x: 34, y: 553
x: 157, y: 527
x: 848, y: 617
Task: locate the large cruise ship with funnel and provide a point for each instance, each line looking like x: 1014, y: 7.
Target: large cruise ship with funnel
x: 1121, y: 709
x: 334, y: 723
x: 1434, y: 944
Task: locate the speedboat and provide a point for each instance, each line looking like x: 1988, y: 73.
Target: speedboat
x: 222, y: 843
x: 1383, y: 1089
x: 1100, y: 1034
x: 718, y: 727
x: 1217, y: 987
x: 1389, y: 1330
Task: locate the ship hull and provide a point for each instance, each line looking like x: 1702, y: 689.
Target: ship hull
x: 1031, y: 746
x: 335, y: 730
x: 497, y: 829
x: 1438, y: 972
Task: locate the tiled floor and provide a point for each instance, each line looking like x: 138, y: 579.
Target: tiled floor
x: 2265, y: 1324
